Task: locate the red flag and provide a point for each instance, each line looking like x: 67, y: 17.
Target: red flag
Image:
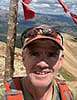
x: 74, y: 17
x: 27, y: 1
x: 28, y: 13
x: 64, y: 6
x: 7, y: 86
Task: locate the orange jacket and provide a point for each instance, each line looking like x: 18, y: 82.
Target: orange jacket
x: 15, y: 84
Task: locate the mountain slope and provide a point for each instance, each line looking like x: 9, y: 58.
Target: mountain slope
x: 70, y: 52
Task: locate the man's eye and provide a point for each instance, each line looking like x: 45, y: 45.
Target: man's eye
x: 52, y: 54
x: 34, y: 53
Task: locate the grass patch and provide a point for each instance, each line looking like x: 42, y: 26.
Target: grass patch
x: 67, y: 75
x: 2, y: 89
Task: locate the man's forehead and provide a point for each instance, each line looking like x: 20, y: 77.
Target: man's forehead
x: 44, y: 43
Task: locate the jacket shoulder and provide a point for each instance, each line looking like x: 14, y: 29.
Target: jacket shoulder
x: 13, y: 83
x: 65, y: 91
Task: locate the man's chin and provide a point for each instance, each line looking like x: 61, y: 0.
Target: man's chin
x: 40, y: 80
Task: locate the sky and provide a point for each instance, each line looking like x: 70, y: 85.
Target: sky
x: 43, y: 6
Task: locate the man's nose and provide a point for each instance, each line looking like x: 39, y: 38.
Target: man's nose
x: 42, y: 64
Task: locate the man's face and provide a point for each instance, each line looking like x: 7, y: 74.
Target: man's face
x: 42, y: 60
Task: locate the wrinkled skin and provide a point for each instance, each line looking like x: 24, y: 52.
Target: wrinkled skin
x: 42, y: 60
x: 42, y: 56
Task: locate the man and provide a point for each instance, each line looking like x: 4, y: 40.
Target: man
x: 42, y: 55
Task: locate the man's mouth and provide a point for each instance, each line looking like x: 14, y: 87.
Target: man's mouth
x: 42, y: 71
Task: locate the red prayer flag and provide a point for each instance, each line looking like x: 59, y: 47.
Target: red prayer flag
x: 27, y: 1
x: 28, y: 13
x: 74, y: 17
x: 7, y: 86
x: 66, y: 9
x: 64, y: 6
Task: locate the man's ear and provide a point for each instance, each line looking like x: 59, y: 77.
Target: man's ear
x: 22, y: 56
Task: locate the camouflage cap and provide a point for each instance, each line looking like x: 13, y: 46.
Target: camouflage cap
x: 42, y: 32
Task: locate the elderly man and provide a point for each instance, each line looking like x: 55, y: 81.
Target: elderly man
x: 42, y: 55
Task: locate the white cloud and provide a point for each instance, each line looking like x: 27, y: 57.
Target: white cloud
x: 34, y: 0
x: 57, y: 5
x: 40, y: 5
x: 71, y: 1
x: 43, y: 6
x: 44, y: 1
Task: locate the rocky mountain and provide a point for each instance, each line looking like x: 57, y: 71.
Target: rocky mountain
x: 62, y: 22
x: 48, y: 11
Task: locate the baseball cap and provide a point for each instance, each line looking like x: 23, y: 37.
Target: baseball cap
x: 41, y: 32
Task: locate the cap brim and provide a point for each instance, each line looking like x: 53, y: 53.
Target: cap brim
x: 41, y: 37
